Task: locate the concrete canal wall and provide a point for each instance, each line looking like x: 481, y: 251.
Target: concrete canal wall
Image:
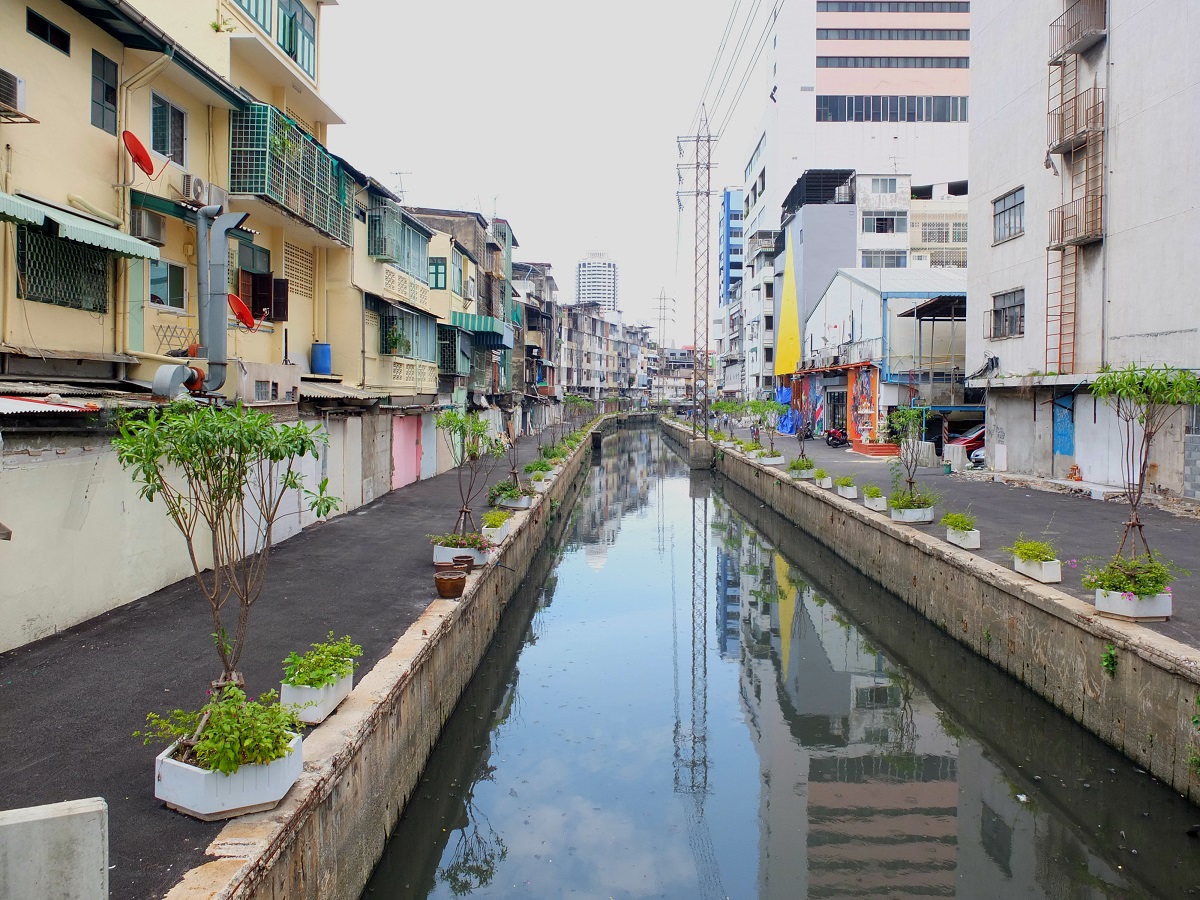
x: 362, y: 765
x: 1049, y: 641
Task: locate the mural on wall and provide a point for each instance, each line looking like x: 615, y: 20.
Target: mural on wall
x: 861, y: 415
x: 816, y: 403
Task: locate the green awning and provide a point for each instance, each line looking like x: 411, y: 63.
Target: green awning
x: 489, y: 331
x: 85, y: 231
x: 17, y: 209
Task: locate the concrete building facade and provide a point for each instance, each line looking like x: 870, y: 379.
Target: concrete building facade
x: 596, y: 281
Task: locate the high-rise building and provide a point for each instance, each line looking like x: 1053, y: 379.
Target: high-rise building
x: 596, y: 281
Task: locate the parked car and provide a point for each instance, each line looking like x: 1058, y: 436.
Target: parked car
x: 972, y: 440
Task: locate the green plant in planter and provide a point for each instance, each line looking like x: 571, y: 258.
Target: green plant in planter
x: 1143, y: 576
x: 906, y: 496
x: 717, y: 434
x: 844, y: 481
x: 495, y: 518
x: 801, y: 464
x: 475, y: 453
x: 470, y: 541
x: 959, y: 521
x: 507, y: 490
x: 873, y: 491
x: 752, y: 446
x: 231, y: 730
x: 820, y: 473
x: 1028, y: 550
x: 538, y: 465
x: 323, y: 664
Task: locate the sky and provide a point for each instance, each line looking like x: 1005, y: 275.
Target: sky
x: 561, y: 117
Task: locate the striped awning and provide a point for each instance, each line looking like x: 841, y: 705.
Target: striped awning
x: 74, y: 228
x: 488, y: 331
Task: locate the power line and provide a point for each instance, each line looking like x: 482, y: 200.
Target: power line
x: 762, y: 43
x: 737, y: 54
x: 716, y: 62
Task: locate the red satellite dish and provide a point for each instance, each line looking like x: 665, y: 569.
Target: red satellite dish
x: 243, y: 314
x: 141, y: 156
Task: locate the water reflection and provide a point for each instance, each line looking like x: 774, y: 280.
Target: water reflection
x: 716, y: 706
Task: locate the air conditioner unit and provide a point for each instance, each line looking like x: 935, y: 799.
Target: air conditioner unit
x: 12, y: 91
x: 218, y: 196
x: 149, y: 226
x: 195, y: 189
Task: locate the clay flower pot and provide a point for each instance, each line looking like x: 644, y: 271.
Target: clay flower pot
x: 467, y: 559
x: 450, y: 585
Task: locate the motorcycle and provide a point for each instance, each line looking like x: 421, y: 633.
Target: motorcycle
x: 804, y: 433
x: 836, y: 437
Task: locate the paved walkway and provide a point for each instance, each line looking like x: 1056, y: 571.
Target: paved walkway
x: 70, y: 703
x: 1078, y: 526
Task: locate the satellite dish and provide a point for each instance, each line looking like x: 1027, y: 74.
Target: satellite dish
x: 141, y: 156
x: 243, y: 314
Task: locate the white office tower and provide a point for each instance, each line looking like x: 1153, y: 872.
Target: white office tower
x: 596, y: 281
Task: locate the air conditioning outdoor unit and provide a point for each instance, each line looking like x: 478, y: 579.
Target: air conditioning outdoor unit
x: 149, y: 226
x: 197, y: 190
x: 12, y: 91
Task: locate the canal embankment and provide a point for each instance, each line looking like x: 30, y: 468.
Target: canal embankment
x: 1051, y: 642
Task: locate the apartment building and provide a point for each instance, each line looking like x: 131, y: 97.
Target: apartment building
x: 1076, y: 213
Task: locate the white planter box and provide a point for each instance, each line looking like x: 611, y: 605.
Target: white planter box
x: 1134, y: 607
x: 772, y: 460
x: 804, y: 474
x: 542, y: 486
x: 447, y: 554
x: 497, y: 535
x: 850, y: 493
x: 879, y: 504
x: 522, y: 502
x: 968, y: 540
x: 325, y: 700
x: 1045, y: 572
x: 214, y: 795
x: 912, y: 516
x: 824, y: 482
x: 725, y: 444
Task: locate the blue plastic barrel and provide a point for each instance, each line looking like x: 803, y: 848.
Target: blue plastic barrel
x: 322, y: 359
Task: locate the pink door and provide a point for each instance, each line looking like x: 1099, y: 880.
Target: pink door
x: 406, y: 450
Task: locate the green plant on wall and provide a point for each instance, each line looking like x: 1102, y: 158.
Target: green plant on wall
x: 1108, y: 659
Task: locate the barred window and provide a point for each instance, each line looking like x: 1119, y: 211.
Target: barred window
x: 168, y: 130
x: 888, y: 108
x: 885, y: 223
x: 1192, y: 423
x: 901, y: 6
x: 1008, y: 215
x: 885, y: 259
x: 893, y: 34
x: 959, y: 233
x: 437, y: 273
x: 64, y: 273
x: 1008, y: 314
x: 935, y: 232
x: 893, y: 62
x: 942, y: 259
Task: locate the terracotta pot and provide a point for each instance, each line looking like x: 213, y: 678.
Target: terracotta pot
x: 467, y: 560
x: 450, y: 585
x: 448, y: 567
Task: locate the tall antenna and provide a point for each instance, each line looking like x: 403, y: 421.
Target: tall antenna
x: 664, y: 307
x: 399, y: 188
x: 703, y: 142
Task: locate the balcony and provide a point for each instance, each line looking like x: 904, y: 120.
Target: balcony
x: 535, y: 339
x: 1069, y: 125
x: 1078, y: 29
x: 1076, y: 223
x: 271, y: 158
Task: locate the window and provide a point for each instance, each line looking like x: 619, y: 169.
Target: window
x: 259, y: 10
x: 885, y: 223
x: 958, y: 232
x: 104, y: 93
x: 45, y: 30
x: 1008, y: 314
x: 942, y: 259
x: 456, y: 260
x: 437, y: 273
x: 885, y: 259
x: 935, y: 232
x: 167, y: 284
x: 768, y: 354
x: 893, y: 34
x: 1192, y: 422
x: 360, y: 212
x: 893, y: 62
x: 252, y: 258
x: 168, y: 130
x: 768, y: 323
x: 862, y: 6
x: 297, y: 34
x: 883, y: 185
x: 890, y: 109
x: 1008, y: 216
x: 62, y: 272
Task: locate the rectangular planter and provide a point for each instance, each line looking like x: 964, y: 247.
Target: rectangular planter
x: 214, y: 795
x: 824, y: 482
x: 850, y: 493
x: 968, y: 540
x: 542, y: 486
x: 879, y: 504
x: 1046, y: 572
x: 772, y: 460
x: 522, y: 502
x: 1134, y: 607
x: 447, y: 554
x: 324, y: 700
x: 913, y: 516
x: 804, y: 474
x: 497, y: 535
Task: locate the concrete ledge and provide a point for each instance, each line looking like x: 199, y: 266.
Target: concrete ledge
x: 1048, y: 640
x: 362, y: 764
x: 55, y: 852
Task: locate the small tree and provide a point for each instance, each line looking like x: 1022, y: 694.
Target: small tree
x: 906, y: 423
x: 227, y: 469
x: 576, y: 408
x: 1144, y: 399
x: 767, y: 412
x: 475, y: 453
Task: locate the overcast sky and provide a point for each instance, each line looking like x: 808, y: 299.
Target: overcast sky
x: 560, y: 117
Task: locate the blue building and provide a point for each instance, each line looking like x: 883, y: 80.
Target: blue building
x: 731, y: 243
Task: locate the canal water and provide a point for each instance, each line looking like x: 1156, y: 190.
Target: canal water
x: 691, y: 699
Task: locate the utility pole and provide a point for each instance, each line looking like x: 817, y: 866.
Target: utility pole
x: 702, y: 141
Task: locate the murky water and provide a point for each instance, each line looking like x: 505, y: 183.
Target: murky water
x: 690, y: 699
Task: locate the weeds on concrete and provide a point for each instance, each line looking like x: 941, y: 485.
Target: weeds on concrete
x: 1108, y: 659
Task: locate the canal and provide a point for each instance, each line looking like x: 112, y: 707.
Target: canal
x: 690, y: 698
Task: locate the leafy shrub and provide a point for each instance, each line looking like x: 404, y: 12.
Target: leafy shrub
x: 918, y: 499
x: 538, y: 465
x: 801, y: 464
x: 240, y: 731
x: 873, y: 491
x: 472, y: 540
x: 324, y: 664
x: 820, y: 473
x: 844, y: 481
x: 1143, y: 576
x: 1031, y: 551
x: 508, y: 490
x: 495, y: 518
x: 959, y: 521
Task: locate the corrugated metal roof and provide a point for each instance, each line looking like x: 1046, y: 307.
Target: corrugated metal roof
x: 42, y: 389
x: 13, y: 405
x: 315, y: 390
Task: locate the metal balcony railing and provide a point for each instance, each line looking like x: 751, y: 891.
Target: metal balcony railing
x: 1078, y: 222
x: 1081, y: 26
x: 272, y: 157
x: 1068, y: 126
